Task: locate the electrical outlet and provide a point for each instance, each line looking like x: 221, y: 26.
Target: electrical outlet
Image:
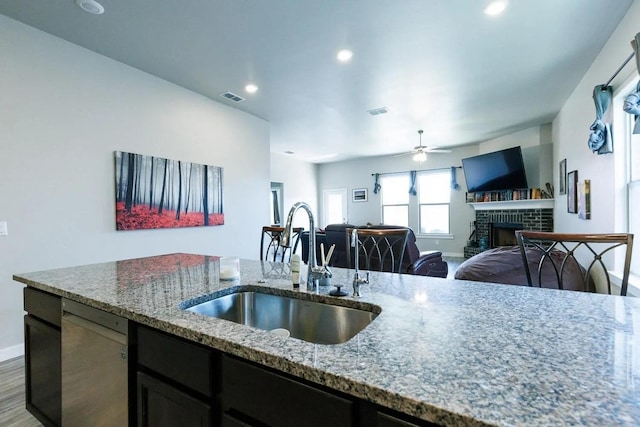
x: 437, y: 242
x: 3, y: 228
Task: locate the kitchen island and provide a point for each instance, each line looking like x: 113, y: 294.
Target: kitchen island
x: 443, y: 351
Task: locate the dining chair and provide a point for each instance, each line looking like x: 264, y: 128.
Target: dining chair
x: 551, y: 256
x: 378, y: 249
x: 270, y: 248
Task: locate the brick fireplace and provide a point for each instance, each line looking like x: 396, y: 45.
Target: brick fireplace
x: 498, y: 226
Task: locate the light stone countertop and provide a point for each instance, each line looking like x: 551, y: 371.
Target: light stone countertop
x: 447, y: 351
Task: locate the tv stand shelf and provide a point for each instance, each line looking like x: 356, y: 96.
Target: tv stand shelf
x: 513, y: 204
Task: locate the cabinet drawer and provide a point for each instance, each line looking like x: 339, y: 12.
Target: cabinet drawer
x: 177, y: 359
x: 42, y: 305
x: 275, y: 400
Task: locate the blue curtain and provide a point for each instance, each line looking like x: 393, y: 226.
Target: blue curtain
x: 412, y: 189
x: 454, y: 179
x: 600, y: 140
x: 376, y: 185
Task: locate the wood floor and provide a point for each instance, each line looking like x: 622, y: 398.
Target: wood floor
x: 12, y: 409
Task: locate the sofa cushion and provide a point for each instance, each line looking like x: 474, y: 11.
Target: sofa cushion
x: 504, y: 265
x: 428, y: 264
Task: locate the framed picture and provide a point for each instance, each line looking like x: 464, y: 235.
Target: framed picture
x: 584, y: 199
x: 360, y: 195
x: 562, y: 177
x: 155, y: 192
x: 572, y: 188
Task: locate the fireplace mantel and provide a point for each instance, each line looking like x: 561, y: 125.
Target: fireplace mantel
x: 514, y: 204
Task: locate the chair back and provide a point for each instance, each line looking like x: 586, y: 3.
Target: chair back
x: 378, y: 249
x: 270, y: 248
x: 553, y: 256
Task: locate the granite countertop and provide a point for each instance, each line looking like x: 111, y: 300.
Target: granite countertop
x: 448, y: 351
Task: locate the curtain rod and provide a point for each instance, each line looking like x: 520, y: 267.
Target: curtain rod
x: 420, y: 170
x: 604, y: 87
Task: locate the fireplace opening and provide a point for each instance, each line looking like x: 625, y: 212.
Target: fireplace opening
x: 503, y: 234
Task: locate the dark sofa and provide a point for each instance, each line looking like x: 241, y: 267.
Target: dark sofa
x: 427, y: 263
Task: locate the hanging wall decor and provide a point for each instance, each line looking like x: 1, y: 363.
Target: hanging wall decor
x: 562, y: 177
x: 572, y: 188
x: 154, y: 192
x: 359, y: 195
x: 584, y: 199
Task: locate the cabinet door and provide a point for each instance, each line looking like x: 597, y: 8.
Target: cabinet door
x: 266, y: 397
x: 160, y: 404
x: 42, y: 371
x: 385, y: 420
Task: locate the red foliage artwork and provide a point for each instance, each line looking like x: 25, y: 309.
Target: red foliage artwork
x: 153, y: 192
x: 141, y: 217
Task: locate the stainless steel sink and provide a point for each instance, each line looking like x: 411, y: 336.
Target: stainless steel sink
x: 311, y: 321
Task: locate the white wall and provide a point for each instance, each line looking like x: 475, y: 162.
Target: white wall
x: 300, y: 182
x: 63, y: 112
x: 571, y: 130
x: 350, y: 174
x: 357, y: 173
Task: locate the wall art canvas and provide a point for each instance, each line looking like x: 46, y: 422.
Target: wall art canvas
x: 584, y: 199
x: 360, y: 195
x: 572, y: 188
x: 562, y: 177
x: 154, y: 192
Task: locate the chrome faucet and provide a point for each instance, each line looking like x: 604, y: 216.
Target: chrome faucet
x: 314, y: 271
x: 357, y: 280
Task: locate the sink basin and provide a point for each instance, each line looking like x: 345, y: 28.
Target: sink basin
x: 315, y: 322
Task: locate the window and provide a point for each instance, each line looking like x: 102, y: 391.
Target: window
x: 434, y: 195
x: 429, y: 212
x: 395, y: 199
x: 627, y: 176
x: 633, y: 187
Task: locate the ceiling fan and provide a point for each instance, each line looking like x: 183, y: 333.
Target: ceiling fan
x: 420, y: 151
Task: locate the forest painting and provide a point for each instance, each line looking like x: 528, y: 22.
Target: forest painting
x: 153, y: 192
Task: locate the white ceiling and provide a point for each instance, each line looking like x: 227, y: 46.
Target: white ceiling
x: 438, y: 65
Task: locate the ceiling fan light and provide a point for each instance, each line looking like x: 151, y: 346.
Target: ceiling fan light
x: 495, y: 7
x: 420, y: 156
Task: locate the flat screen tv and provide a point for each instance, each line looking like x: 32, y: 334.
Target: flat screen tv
x: 500, y: 170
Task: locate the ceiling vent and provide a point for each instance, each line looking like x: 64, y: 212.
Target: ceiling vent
x: 378, y: 111
x: 233, y: 97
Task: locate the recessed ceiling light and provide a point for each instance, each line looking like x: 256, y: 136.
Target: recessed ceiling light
x: 251, y: 88
x: 91, y: 6
x: 495, y: 7
x: 344, y: 55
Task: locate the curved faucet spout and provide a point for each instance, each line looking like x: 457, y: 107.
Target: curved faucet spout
x: 285, y: 240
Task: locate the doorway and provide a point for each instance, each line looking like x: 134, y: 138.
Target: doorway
x: 334, y: 207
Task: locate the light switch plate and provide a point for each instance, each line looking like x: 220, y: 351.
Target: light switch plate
x: 3, y: 228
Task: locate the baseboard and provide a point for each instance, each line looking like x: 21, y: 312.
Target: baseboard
x: 453, y: 254
x: 11, y: 352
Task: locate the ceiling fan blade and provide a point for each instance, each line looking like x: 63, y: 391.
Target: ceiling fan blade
x: 437, y: 150
x: 403, y: 154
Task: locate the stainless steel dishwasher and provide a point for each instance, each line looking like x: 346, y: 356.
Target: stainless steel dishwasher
x: 94, y: 367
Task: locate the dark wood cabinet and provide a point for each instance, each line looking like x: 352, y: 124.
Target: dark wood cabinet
x: 175, y: 381
x: 160, y: 405
x: 252, y: 393
x: 43, y: 356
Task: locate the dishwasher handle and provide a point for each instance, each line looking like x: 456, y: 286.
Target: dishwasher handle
x: 68, y: 318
